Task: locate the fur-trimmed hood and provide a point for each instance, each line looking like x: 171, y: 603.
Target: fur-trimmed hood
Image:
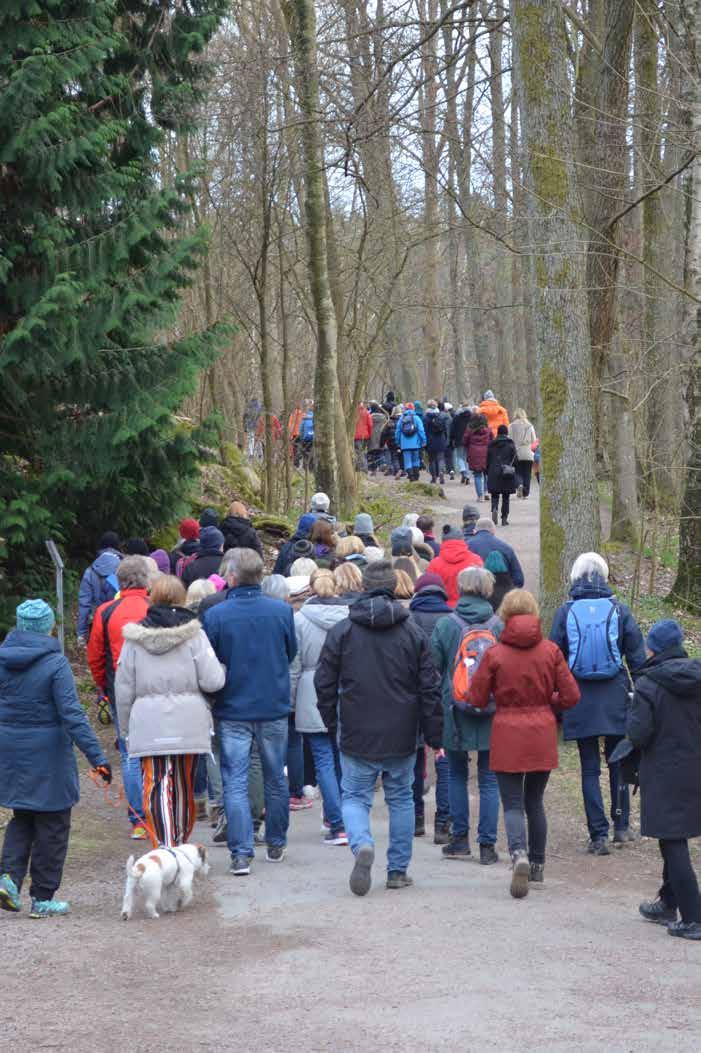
x: 159, y: 640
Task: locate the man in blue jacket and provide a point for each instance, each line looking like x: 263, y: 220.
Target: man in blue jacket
x: 481, y: 539
x: 410, y: 437
x: 253, y: 635
x: 98, y: 584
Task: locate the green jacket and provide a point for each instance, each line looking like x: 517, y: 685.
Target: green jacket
x: 460, y: 731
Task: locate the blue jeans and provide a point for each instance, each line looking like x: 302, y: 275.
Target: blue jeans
x: 236, y: 738
x: 295, y: 760
x: 461, y: 462
x: 132, y: 782
x: 412, y: 459
x: 200, y: 787
x: 326, y: 777
x: 480, y: 479
x: 460, y: 802
x: 358, y: 791
x: 590, y: 762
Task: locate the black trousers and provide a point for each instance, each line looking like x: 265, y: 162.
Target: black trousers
x: 680, y: 889
x: 505, y: 500
x: 436, y: 463
x: 523, y: 475
x: 38, y: 842
x: 522, y: 798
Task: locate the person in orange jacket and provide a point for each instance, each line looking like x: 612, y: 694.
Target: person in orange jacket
x: 493, y: 411
x: 363, y: 431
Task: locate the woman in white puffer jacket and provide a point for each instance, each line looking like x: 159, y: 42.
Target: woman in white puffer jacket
x: 522, y: 432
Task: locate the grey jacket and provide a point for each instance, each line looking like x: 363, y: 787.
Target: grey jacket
x: 162, y: 677
x: 312, y: 624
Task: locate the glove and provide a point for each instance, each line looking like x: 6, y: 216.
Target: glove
x: 105, y: 770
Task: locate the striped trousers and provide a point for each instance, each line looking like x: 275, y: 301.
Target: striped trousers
x: 169, y: 797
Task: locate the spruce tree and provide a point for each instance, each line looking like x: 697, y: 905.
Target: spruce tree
x: 94, y: 253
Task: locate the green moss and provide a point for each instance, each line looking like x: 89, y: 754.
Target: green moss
x: 421, y: 488
x: 534, y: 51
x: 550, y: 178
x: 552, y: 544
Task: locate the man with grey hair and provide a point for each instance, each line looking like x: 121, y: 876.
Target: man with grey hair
x: 482, y: 540
x: 253, y: 635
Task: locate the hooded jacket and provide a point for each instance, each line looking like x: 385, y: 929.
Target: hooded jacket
x: 522, y: 672
x: 453, y: 557
x: 665, y: 723
x: 363, y: 425
x: 106, y: 639
x: 604, y: 703
x: 208, y: 561
x: 476, y: 442
x: 410, y: 442
x: 41, y: 720
x: 483, y: 542
x: 98, y: 585
x: 437, y: 428
x: 185, y: 547
x: 379, y: 419
x: 313, y: 622
x: 458, y: 425
x: 377, y: 681
x: 239, y: 533
x: 495, y: 413
x: 166, y: 667
x: 427, y: 606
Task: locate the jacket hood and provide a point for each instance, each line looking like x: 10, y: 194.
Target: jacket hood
x: 481, y: 431
x: 19, y: 649
x: 161, y: 639
x: 377, y: 611
x: 432, y: 598
x: 675, y: 672
x: 323, y: 615
x: 474, y: 609
x: 234, y: 524
x: 590, y: 588
x: 453, y: 551
x: 522, y: 630
x: 106, y: 562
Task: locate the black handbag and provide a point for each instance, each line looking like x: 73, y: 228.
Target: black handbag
x: 508, y: 471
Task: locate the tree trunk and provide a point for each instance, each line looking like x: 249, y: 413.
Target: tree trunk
x: 568, y: 499
x: 428, y: 105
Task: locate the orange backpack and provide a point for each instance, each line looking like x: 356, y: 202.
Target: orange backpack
x: 474, y: 641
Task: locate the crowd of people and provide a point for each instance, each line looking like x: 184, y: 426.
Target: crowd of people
x: 240, y: 696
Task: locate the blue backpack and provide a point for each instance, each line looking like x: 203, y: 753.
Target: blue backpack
x: 593, y: 628
x: 408, y: 425
x: 306, y: 429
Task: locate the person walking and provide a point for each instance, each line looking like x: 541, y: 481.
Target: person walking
x: 390, y: 444
x: 664, y: 723
x: 493, y: 410
x: 476, y: 440
x: 522, y: 432
x: 377, y: 690
x: 166, y: 668
x: 453, y: 558
x: 465, y: 733
x: 254, y: 637
x: 376, y: 454
x: 238, y: 530
x: 597, y: 634
x: 98, y: 584
x: 484, y: 540
x: 459, y: 423
x: 362, y: 436
x: 410, y: 436
x: 208, y: 558
x: 41, y: 719
x: 522, y: 673
x: 290, y: 551
x: 437, y: 427
x: 501, y: 473
x: 187, y: 545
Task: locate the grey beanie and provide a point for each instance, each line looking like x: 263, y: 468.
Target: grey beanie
x: 401, y: 541
x: 379, y: 575
x: 363, y: 524
x: 470, y: 513
x: 451, y: 533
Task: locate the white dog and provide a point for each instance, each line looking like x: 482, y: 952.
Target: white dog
x: 164, y: 877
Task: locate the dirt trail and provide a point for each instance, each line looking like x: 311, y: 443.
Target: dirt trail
x: 288, y: 959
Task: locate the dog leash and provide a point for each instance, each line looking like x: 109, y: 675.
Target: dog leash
x: 118, y: 801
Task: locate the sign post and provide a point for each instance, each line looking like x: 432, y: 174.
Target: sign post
x: 58, y: 564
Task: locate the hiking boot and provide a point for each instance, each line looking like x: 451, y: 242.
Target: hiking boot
x: 519, y: 875
x: 398, y: 879
x: 361, y: 874
x: 275, y: 853
x: 441, y: 480
x: 441, y: 833
x: 488, y: 855
x: 688, y: 930
x: 9, y: 894
x: 419, y: 826
x: 495, y: 518
x: 49, y: 908
x: 336, y: 837
x: 457, y: 849
x: 658, y: 911
x: 220, y: 830
x: 240, y: 866
x: 599, y: 847
x: 505, y: 522
x: 536, y: 874
x: 623, y: 837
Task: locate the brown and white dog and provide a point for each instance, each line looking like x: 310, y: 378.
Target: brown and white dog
x: 164, y: 877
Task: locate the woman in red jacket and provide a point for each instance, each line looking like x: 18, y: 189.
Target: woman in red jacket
x: 476, y: 440
x: 523, y: 672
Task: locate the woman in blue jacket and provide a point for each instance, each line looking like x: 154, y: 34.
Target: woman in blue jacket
x: 411, y: 438
x: 41, y: 720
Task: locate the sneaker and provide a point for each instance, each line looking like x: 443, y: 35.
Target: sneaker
x: 488, y: 855
x: 688, y: 930
x: 658, y: 911
x: 240, y: 866
x: 9, y: 894
x: 298, y: 804
x: 49, y: 908
x: 220, y: 831
x: 459, y: 849
x: 361, y: 874
x: 536, y: 874
x: 419, y: 826
x: 325, y: 826
x: 599, y: 846
x: 138, y: 833
x: 310, y: 791
x: 623, y: 837
x: 275, y: 853
x: 398, y: 879
x: 214, y: 816
x: 519, y: 876
x: 338, y: 837
x: 441, y: 834
x: 259, y: 836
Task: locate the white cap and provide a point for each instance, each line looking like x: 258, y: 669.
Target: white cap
x: 320, y: 502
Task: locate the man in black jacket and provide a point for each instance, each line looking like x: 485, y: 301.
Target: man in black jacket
x: 376, y: 678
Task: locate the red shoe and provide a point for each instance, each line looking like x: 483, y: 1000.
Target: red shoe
x: 298, y: 804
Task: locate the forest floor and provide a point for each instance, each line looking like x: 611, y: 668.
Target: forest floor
x: 289, y: 959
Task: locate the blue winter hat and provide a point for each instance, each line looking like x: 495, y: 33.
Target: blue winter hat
x: 363, y: 524
x: 305, y: 524
x: 401, y: 541
x: 35, y: 616
x: 665, y: 634
x: 211, y: 538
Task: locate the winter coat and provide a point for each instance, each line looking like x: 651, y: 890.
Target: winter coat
x: 287, y: 555
x: 483, y: 542
x: 501, y: 451
x: 522, y: 672
x: 437, y: 428
x: 41, y: 720
x: 461, y: 731
x: 98, y: 585
x: 183, y: 548
x: 410, y: 442
x: 453, y: 557
x: 164, y: 672
x: 379, y: 419
x: 432, y: 543
x: 239, y: 533
x: 363, y: 425
x: 458, y: 425
x: 312, y: 625
x: 604, y: 703
x: 377, y: 682
x: 428, y: 606
x: 495, y: 413
x: 253, y: 635
x: 523, y: 435
x: 503, y: 583
x: 208, y: 562
x: 388, y: 437
x: 476, y: 442
x: 665, y: 722
x: 105, y: 643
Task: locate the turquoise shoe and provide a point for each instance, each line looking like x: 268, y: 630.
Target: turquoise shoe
x: 48, y: 908
x: 9, y: 894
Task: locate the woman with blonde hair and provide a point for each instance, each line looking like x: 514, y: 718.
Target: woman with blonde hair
x: 349, y: 581
x: 349, y: 546
x: 522, y: 673
x: 166, y: 668
x: 522, y: 432
x: 404, y: 589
